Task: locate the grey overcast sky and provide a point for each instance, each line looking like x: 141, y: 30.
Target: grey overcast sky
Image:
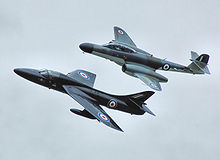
x: 35, y: 123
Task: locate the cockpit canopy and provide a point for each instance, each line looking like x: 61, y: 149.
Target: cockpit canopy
x: 49, y: 74
x: 119, y: 48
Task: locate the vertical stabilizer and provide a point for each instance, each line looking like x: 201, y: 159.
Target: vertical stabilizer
x: 199, y: 63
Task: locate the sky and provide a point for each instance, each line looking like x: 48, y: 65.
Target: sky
x: 36, y: 123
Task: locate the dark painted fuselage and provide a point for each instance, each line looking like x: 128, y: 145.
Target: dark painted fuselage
x: 55, y: 80
x: 130, y: 57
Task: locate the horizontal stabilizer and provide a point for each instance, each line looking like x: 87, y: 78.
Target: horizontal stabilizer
x: 83, y: 113
x: 194, y: 55
x: 144, y: 108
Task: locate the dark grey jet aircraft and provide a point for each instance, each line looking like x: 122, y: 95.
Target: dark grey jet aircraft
x: 138, y: 63
x: 79, y: 85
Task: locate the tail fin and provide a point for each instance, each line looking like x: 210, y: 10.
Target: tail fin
x: 139, y: 98
x: 199, y: 63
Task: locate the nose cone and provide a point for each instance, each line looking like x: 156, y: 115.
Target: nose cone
x: 27, y: 73
x: 86, y: 47
x: 21, y: 71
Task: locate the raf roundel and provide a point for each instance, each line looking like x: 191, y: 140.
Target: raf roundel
x: 120, y: 32
x: 153, y: 85
x: 112, y: 103
x: 104, y: 117
x: 166, y: 67
x: 82, y: 74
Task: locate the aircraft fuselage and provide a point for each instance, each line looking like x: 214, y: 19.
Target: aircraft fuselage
x: 55, y: 80
x: 135, y: 55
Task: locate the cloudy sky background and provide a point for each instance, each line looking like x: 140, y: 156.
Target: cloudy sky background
x: 35, y: 122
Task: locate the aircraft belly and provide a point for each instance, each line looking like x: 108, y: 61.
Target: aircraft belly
x: 117, y: 60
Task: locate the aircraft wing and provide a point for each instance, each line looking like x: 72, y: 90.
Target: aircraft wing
x: 122, y: 36
x: 93, y: 108
x: 82, y: 76
x: 150, y: 81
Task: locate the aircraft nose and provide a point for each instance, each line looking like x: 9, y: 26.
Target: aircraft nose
x: 20, y: 71
x: 26, y: 73
x: 86, y: 47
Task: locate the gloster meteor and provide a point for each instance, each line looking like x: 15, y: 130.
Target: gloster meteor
x: 141, y: 64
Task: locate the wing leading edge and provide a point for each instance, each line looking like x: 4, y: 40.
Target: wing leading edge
x: 91, y: 107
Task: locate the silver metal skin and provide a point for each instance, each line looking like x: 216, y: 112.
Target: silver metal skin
x: 141, y: 64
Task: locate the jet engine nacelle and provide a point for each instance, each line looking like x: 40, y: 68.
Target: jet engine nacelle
x: 131, y: 68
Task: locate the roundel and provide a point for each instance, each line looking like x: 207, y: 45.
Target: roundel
x: 166, y: 67
x: 82, y: 74
x: 112, y: 103
x: 104, y: 117
x: 153, y: 85
x: 120, y: 32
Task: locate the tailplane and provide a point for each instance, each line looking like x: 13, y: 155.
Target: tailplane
x: 199, y: 63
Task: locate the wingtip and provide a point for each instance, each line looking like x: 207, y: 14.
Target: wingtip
x: 153, y: 114
x: 115, y: 126
x: 119, y: 129
x: 118, y: 28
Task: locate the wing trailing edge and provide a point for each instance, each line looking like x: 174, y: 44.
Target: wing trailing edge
x: 83, y: 113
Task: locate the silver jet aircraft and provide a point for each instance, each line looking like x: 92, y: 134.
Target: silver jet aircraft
x: 141, y: 64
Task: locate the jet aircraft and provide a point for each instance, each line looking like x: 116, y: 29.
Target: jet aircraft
x: 141, y: 64
x: 79, y: 85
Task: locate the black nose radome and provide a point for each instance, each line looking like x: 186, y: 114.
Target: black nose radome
x: 86, y: 47
x: 24, y: 72
x: 27, y: 73
x: 19, y: 71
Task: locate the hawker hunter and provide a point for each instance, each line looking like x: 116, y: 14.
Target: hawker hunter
x: 79, y: 85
